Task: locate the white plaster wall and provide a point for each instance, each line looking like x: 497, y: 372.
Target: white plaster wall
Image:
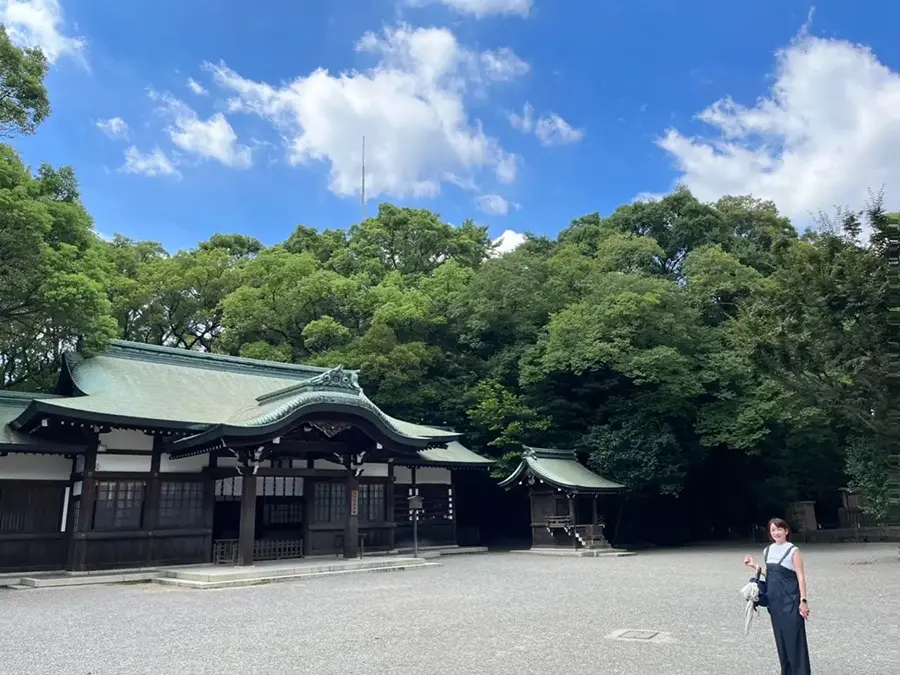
x: 325, y: 464
x: 34, y: 467
x: 424, y: 474
x: 268, y: 486
x: 110, y: 462
x: 374, y: 470
x: 193, y: 464
x: 126, y: 439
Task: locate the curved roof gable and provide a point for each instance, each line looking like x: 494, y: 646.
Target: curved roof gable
x: 138, y: 385
x: 561, y: 469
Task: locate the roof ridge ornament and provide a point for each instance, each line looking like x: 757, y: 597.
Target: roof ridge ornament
x: 336, y: 379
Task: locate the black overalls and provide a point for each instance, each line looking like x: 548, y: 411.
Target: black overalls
x: 783, y: 592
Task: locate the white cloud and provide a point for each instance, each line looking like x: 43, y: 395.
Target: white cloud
x: 507, y: 242
x: 482, y: 8
x: 503, y: 64
x: 828, y: 130
x: 39, y: 23
x: 196, y: 87
x: 151, y: 164
x: 495, y: 205
x: 550, y: 128
x: 114, y: 127
x: 525, y: 121
x: 411, y: 108
x: 213, y: 138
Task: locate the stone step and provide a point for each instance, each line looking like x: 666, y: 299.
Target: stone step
x: 219, y: 582
x: 577, y: 553
x: 437, y: 551
x: 272, y: 571
x: 85, y: 579
x: 604, y: 553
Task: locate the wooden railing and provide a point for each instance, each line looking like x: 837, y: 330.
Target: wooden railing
x: 554, y: 522
x: 225, y: 551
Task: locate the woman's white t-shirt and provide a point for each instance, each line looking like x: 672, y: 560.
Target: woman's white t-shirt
x: 776, y: 553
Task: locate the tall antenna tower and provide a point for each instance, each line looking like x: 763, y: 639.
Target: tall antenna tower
x: 363, y: 191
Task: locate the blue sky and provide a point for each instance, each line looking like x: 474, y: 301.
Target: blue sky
x: 623, y: 99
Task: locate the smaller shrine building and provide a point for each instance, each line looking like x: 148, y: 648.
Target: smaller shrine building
x: 563, y: 494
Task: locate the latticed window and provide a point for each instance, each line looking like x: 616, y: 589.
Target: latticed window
x: 330, y: 502
x: 119, y: 505
x: 181, y: 504
x: 288, y: 512
x: 372, y: 502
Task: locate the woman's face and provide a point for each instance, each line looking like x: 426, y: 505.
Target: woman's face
x: 779, y: 534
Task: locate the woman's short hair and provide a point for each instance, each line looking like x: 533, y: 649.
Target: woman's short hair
x: 780, y: 523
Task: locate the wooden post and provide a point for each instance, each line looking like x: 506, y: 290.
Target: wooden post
x: 351, y: 514
x: 151, y: 502
x: 389, y: 505
x: 85, y: 508
x: 70, y: 513
x: 596, y: 520
x: 452, y: 511
x: 247, y: 535
x: 209, y: 499
x: 572, y: 519
x: 309, y: 488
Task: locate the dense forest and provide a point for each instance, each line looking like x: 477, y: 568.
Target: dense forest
x: 708, y: 355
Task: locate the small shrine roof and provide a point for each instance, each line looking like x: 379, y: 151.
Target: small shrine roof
x: 559, y: 468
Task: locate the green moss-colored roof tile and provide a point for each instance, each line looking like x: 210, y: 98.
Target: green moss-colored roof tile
x: 560, y: 468
x: 454, y: 454
x: 134, y: 384
x: 12, y: 404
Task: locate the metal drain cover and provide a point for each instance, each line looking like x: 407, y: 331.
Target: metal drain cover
x: 636, y: 635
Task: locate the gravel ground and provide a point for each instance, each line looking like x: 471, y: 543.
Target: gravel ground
x: 493, y: 614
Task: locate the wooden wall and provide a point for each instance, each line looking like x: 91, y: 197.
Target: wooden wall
x: 32, y: 535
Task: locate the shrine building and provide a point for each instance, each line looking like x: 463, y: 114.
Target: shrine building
x: 147, y: 455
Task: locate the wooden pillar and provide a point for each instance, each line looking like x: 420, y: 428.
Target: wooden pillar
x: 572, y: 519
x: 596, y: 521
x: 389, y: 505
x: 450, y: 507
x: 209, y: 498
x: 351, y: 514
x: 71, y: 507
x: 247, y: 534
x: 151, y: 500
x: 85, y: 508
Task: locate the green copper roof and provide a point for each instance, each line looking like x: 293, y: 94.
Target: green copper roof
x: 162, y: 387
x: 12, y: 404
x: 456, y: 454
x: 559, y: 468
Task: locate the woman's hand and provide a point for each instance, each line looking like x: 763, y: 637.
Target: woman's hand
x: 749, y: 562
x: 804, y: 610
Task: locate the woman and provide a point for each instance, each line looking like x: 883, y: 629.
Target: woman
x: 786, y: 591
